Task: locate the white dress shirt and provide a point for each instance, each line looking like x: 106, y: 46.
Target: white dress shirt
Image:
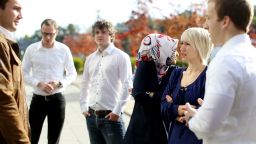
x: 107, y: 77
x: 47, y: 64
x: 8, y: 34
x: 228, y: 114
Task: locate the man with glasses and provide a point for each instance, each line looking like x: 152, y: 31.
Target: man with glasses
x: 14, y: 126
x: 48, y: 67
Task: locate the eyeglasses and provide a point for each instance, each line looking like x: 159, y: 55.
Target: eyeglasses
x: 45, y: 34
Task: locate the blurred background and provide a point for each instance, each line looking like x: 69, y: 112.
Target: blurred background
x: 133, y: 20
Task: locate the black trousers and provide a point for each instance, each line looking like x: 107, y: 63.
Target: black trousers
x: 54, y: 108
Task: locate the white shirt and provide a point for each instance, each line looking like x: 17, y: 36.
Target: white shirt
x: 107, y: 77
x: 8, y: 34
x: 47, y: 64
x: 228, y: 115
x: 214, y: 52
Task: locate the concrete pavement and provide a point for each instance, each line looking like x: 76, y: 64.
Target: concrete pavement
x: 74, y: 130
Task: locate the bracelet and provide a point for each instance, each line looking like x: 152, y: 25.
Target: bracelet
x: 150, y: 94
x: 60, y: 85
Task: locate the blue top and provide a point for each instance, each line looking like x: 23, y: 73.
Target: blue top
x: 179, y: 132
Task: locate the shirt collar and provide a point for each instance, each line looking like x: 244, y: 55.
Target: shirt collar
x: 108, y: 50
x: 241, y: 38
x: 8, y: 34
x: 235, y: 40
x: 40, y: 46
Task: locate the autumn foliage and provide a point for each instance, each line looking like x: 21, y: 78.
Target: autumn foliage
x: 140, y: 25
x: 137, y: 29
x: 80, y: 43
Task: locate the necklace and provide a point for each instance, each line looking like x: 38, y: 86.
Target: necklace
x: 190, y: 76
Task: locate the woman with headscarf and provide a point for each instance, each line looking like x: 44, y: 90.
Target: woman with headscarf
x: 156, y: 54
x: 186, y: 85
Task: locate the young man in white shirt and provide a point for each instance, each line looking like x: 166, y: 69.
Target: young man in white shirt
x: 48, y: 67
x: 106, y: 79
x: 228, y: 114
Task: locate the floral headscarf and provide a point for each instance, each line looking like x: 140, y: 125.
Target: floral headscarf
x: 160, y: 48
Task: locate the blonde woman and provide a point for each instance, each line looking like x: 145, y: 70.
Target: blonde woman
x: 186, y: 85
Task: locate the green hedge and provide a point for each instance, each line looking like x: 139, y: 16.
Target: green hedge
x: 133, y: 62
x: 181, y: 64
x: 79, y: 64
x: 178, y: 63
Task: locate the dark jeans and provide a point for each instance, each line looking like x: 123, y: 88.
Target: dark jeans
x: 54, y: 108
x: 104, y: 131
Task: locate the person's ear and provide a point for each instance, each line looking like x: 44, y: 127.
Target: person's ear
x: 205, y: 25
x: 226, y: 22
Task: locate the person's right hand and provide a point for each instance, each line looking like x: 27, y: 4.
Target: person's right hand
x: 48, y: 88
x: 181, y: 119
x: 190, y: 112
x: 86, y: 114
x: 181, y: 110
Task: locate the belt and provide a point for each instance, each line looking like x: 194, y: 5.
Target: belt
x: 99, y: 113
x: 46, y: 98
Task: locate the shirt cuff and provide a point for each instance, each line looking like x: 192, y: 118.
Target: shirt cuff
x: 117, y: 110
x: 84, y: 108
x: 35, y: 83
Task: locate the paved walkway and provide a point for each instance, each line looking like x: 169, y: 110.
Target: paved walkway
x: 74, y: 130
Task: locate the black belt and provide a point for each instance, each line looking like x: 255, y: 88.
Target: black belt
x: 47, y: 98
x: 99, y: 113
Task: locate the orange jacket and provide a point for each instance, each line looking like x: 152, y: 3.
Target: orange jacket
x: 14, y: 126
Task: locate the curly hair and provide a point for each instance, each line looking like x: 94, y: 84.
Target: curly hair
x: 103, y: 24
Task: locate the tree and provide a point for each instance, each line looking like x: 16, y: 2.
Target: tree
x: 80, y: 44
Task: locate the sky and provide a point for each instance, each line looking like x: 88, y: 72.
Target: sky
x: 83, y: 13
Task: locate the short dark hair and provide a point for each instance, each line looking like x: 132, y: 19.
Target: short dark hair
x: 101, y: 24
x: 3, y: 3
x: 49, y: 22
x: 240, y: 12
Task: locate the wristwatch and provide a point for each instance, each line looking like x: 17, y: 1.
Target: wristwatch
x: 60, y: 85
x: 150, y: 94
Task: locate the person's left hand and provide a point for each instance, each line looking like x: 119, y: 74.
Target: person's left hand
x: 168, y: 98
x: 200, y: 101
x: 54, y: 84
x: 113, y: 117
x: 46, y: 87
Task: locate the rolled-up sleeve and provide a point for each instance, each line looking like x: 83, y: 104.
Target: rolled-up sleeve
x: 125, y: 74
x: 221, y: 85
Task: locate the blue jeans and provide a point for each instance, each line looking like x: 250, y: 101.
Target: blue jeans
x: 104, y: 131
